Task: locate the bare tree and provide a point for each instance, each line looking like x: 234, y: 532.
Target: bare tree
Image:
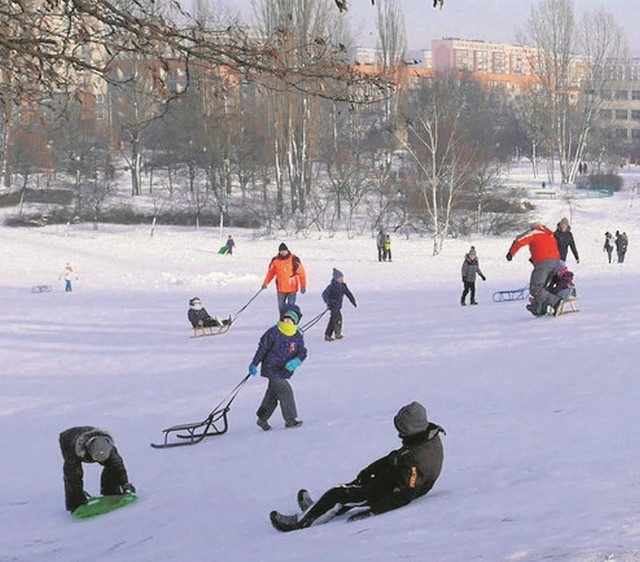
x: 571, y: 54
x: 443, y: 157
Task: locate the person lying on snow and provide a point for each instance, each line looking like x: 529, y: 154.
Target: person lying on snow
x: 390, y: 482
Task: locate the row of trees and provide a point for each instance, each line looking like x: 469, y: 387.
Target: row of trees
x: 296, y: 145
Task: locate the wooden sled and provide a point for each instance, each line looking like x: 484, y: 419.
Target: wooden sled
x: 205, y: 331
x: 568, y: 305
x: 215, y: 423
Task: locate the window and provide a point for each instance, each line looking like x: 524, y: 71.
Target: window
x: 605, y: 94
x: 622, y: 95
x: 620, y: 133
x: 635, y: 114
x: 635, y: 134
x: 606, y: 114
x: 622, y: 114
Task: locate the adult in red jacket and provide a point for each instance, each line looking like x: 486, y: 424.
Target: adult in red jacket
x: 545, y: 258
x: 289, y: 274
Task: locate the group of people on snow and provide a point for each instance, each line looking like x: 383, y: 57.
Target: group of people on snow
x: 383, y: 244
x: 620, y: 243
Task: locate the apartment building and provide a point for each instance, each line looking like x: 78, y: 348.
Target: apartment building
x: 621, y: 104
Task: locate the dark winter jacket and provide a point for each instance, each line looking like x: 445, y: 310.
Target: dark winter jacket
x: 200, y: 317
x: 74, y: 453
x: 565, y: 241
x: 275, y: 349
x: 469, y: 269
x: 621, y: 243
x: 334, y: 293
x: 406, y: 473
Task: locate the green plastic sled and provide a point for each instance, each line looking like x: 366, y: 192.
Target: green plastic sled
x: 223, y: 250
x: 97, y: 505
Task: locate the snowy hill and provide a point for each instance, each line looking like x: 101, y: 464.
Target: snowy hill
x: 541, y: 414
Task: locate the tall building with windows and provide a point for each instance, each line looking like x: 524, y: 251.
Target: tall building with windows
x: 473, y: 55
x: 620, y: 109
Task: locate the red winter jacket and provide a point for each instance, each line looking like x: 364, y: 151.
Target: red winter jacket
x: 541, y: 241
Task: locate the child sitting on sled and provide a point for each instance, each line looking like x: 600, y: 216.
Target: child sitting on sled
x: 200, y: 318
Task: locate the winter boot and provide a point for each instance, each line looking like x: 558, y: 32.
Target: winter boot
x: 339, y: 336
x: 293, y: 423
x: 263, y: 424
x: 304, y: 500
x: 284, y: 523
x: 474, y: 302
x: 328, y: 338
x: 462, y: 302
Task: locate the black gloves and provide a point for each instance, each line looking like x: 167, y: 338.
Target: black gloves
x: 509, y: 256
x: 128, y: 488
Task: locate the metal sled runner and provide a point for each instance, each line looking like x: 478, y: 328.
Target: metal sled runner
x: 514, y: 295
x: 215, y: 423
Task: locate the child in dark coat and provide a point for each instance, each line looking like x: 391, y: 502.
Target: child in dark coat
x: 281, y: 351
x: 388, y: 483
x: 89, y: 444
x: 470, y: 268
x: 332, y: 296
x: 200, y: 318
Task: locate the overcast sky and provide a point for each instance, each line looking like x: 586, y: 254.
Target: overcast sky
x: 489, y: 20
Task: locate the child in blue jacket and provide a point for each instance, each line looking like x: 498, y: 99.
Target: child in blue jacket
x: 281, y: 351
x: 332, y: 296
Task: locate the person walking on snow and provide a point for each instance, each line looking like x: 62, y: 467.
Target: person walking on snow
x: 545, y: 258
x: 380, y: 245
x: 280, y: 352
x: 608, y: 245
x: 621, y: 243
x: 333, y: 296
x: 68, y: 276
x: 91, y: 445
x: 470, y: 268
x: 290, y: 277
x: 565, y: 240
x: 390, y: 482
x: 230, y: 244
x: 387, y: 247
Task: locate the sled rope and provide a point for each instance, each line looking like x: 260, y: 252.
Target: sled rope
x: 254, y: 297
x: 313, y: 321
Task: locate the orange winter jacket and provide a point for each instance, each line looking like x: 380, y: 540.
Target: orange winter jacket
x: 541, y: 241
x: 289, y: 273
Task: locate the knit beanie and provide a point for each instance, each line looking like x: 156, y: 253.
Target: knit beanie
x: 292, y: 312
x: 283, y: 247
x: 337, y: 274
x: 472, y: 251
x: 564, y: 220
x: 411, y: 419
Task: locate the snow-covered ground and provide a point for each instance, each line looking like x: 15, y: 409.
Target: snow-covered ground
x: 541, y: 451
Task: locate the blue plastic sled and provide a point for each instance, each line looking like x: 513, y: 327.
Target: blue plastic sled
x: 514, y: 295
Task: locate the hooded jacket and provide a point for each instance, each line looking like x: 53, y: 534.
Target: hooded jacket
x: 289, y: 273
x: 565, y: 241
x: 275, y: 349
x: 470, y: 268
x: 74, y: 453
x: 541, y: 241
x: 334, y: 293
x: 406, y: 473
